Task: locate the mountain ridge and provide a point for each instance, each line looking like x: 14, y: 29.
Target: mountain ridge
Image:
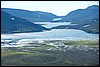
x: 34, y: 16
x: 88, y: 16
x: 82, y: 17
x: 14, y: 24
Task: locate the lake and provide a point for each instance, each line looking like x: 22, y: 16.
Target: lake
x: 52, y: 24
x: 66, y: 34
x: 51, y: 44
x: 54, y: 34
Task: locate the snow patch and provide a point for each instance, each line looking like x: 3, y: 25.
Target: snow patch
x: 12, y: 18
x: 86, y: 25
x: 94, y: 20
x: 57, y: 19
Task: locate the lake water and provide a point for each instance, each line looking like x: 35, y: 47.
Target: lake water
x: 26, y: 40
x: 54, y: 34
x: 66, y: 34
x: 52, y: 24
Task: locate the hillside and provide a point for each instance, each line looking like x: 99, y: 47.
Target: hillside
x: 85, y: 19
x: 14, y: 24
x: 34, y: 16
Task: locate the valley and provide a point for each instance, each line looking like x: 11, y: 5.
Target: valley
x: 37, y: 38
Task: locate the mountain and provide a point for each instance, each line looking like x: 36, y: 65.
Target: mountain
x: 85, y: 19
x: 90, y: 12
x: 12, y: 24
x: 34, y: 16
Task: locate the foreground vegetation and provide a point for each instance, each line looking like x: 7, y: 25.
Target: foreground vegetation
x: 48, y: 55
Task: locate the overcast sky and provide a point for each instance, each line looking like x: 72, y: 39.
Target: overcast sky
x: 59, y: 8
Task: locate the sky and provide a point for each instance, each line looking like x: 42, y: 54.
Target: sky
x: 59, y: 8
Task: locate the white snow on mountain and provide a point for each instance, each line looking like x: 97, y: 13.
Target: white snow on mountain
x: 86, y: 25
x: 56, y: 19
x: 12, y: 18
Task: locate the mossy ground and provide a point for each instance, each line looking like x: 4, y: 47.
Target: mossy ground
x: 40, y: 56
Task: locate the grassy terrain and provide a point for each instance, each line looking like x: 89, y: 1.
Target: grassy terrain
x: 40, y: 56
x: 78, y: 42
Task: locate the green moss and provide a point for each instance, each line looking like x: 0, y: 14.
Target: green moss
x: 82, y: 42
x: 40, y: 56
x: 13, y: 53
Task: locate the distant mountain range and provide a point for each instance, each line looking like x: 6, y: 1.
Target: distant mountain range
x: 33, y: 16
x: 90, y: 12
x: 12, y: 24
x: 84, y: 19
